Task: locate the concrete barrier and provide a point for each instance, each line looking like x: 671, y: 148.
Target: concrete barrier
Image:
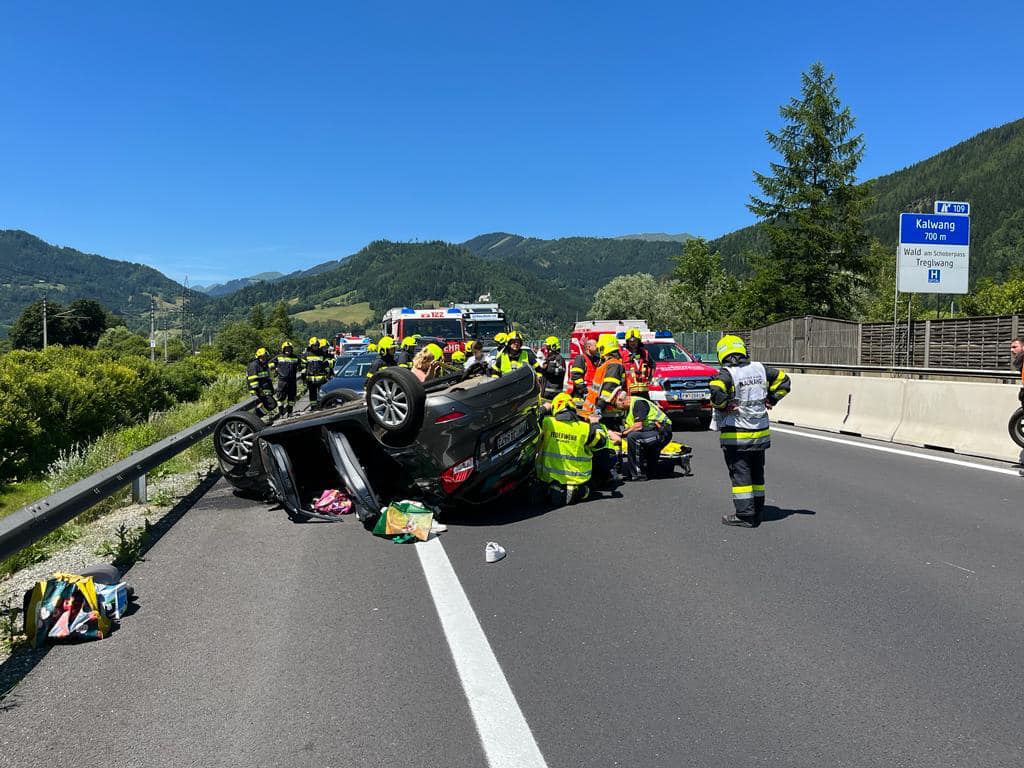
x: 965, y: 417
x: 815, y: 401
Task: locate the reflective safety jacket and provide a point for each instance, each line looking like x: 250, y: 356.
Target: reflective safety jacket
x: 740, y: 392
x: 638, y: 371
x: 652, y: 417
x: 607, y: 378
x: 316, y: 365
x: 583, y: 369
x: 506, y: 363
x: 567, y: 446
x: 286, y: 367
x: 257, y: 374
x: 404, y: 358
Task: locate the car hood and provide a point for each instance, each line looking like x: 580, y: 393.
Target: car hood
x: 678, y: 368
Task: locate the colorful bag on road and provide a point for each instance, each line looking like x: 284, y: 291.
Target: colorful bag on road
x: 64, y: 607
x: 406, y: 520
x: 333, y: 502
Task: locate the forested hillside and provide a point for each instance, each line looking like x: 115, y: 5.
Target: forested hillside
x: 388, y: 274
x: 987, y: 170
x: 577, y: 264
x: 31, y: 268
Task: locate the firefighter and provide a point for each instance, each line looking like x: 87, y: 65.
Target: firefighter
x: 607, y: 378
x: 286, y: 366
x: 742, y: 393
x: 459, y: 359
x: 515, y: 355
x: 499, y: 346
x: 371, y: 347
x: 407, y: 352
x: 261, y: 384
x: 314, y: 368
x: 385, y: 355
x: 638, y: 367
x: 552, y: 369
x: 646, y: 429
x: 583, y: 367
x: 575, y: 456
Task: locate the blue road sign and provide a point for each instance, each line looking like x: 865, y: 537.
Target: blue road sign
x: 934, y: 276
x: 953, y: 207
x: 934, y: 229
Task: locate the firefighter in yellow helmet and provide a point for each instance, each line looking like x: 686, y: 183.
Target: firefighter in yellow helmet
x: 575, y: 456
x: 638, y: 366
x: 385, y: 355
x: 407, y: 352
x: 742, y: 393
x: 315, y: 368
x: 552, y: 369
x: 261, y: 384
x: 515, y: 355
x: 607, y: 378
x: 286, y: 365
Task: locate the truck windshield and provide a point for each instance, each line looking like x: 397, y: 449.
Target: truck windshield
x: 441, y: 327
x: 668, y: 353
x: 485, y: 329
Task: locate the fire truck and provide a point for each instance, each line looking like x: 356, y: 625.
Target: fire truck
x: 483, y: 321
x: 679, y: 381
x: 444, y: 325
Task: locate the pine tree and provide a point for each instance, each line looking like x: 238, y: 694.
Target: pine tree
x: 280, y: 321
x: 812, y: 208
x: 256, y: 317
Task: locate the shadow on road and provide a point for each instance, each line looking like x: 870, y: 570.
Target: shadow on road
x: 774, y: 514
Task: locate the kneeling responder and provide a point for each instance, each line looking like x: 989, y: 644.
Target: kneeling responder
x: 583, y: 368
x: 552, y: 369
x: 314, y: 368
x: 515, y: 355
x: 607, y: 378
x: 646, y: 429
x: 261, y: 384
x: 575, y: 456
x: 742, y: 393
x: 286, y: 366
x: 385, y: 355
x: 407, y: 352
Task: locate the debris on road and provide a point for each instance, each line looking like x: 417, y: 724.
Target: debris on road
x: 406, y: 521
x: 333, y: 502
x: 493, y: 552
x: 70, y: 606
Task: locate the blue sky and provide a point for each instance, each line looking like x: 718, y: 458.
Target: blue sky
x: 220, y: 142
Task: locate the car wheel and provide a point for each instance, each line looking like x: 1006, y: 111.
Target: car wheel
x: 234, y: 438
x: 705, y: 421
x: 395, y: 401
x: 1016, y: 427
x: 339, y: 397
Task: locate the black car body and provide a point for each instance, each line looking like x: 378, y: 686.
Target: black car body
x: 450, y: 442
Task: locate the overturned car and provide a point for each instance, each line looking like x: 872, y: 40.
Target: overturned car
x: 449, y: 442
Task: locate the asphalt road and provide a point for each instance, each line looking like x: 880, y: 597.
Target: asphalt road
x: 873, y: 620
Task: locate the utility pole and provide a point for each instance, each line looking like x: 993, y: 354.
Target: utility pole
x: 152, y: 329
x: 44, y: 322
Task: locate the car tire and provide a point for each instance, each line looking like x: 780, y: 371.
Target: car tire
x: 1016, y: 427
x: 395, y: 402
x: 234, y: 438
x: 339, y: 397
x: 705, y: 421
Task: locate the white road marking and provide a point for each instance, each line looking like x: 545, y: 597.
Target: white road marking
x: 504, y: 733
x: 954, y: 565
x: 899, y: 452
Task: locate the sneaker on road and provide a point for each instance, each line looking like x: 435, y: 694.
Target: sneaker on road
x: 493, y: 552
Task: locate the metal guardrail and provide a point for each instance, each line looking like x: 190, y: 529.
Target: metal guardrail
x: 27, y: 525
x: 856, y: 370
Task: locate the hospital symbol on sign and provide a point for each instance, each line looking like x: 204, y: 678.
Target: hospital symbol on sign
x: 933, y: 275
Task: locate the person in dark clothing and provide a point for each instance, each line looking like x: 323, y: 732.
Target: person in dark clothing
x: 552, y: 369
x: 261, y: 384
x: 385, y: 355
x: 315, y: 366
x: 646, y: 429
x: 286, y: 367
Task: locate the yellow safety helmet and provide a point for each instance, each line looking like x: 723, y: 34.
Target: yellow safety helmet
x: 286, y: 343
x: 261, y: 352
x: 633, y: 333
x: 409, y: 342
x: 324, y: 344
x: 458, y: 356
x: 552, y: 342
x: 561, y: 402
x: 730, y: 345
x: 436, y: 351
x: 500, y: 338
x: 386, y: 343
x: 513, y: 336
x: 606, y: 344
x: 371, y: 347
x: 313, y: 341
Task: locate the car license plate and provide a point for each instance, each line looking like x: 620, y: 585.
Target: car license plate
x: 507, y: 438
x: 700, y: 394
